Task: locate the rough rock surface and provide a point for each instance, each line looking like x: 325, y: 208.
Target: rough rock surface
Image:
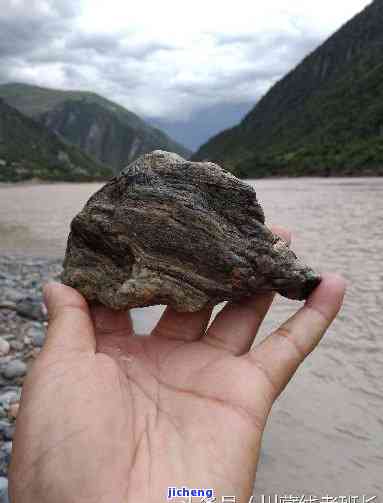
x: 188, y: 234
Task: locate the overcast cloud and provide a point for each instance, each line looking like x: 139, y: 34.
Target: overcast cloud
x: 193, y: 68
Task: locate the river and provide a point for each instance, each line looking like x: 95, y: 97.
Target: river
x: 325, y: 434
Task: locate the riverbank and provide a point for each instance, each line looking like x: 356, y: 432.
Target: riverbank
x: 21, y: 339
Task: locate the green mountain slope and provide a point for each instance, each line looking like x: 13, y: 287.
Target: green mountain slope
x: 29, y: 150
x: 103, y: 129
x: 324, y: 118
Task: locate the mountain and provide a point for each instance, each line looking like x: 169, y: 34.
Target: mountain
x: 29, y: 150
x: 324, y: 118
x: 106, y: 131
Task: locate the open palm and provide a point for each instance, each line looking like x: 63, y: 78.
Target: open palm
x: 107, y: 416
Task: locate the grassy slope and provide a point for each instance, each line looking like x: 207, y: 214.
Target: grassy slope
x: 36, y: 101
x: 324, y: 118
x: 30, y: 150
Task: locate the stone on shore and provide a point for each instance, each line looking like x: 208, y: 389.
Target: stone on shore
x: 31, y: 308
x: 3, y: 490
x: 15, y: 368
x: 36, y: 334
x: 4, y: 347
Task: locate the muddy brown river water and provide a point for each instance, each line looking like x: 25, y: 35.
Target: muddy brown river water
x: 325, y: 434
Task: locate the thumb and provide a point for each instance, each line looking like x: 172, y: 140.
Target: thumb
x: 70, y: 326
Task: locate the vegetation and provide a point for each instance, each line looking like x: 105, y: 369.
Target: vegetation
x: 324, y: 118
x: 29, y: 150
x: 103, y: 129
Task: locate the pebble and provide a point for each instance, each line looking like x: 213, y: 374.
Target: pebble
x: 15, y: 368
x: 4, y: 347
x: 3, y: 490
x: 9, y: 396
x: 36, y: 334
x: 7, y: 448
x: 7, y: 430
x: 17, y: 345
x: 11, y: 294
x: 5, y: 458
x: 31, y: 308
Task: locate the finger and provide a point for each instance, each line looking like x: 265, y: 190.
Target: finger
x: 279, y: 355
x: 70, y: 326
x: 182, y: 326
x: 109, y: 322
x: 235, y: 327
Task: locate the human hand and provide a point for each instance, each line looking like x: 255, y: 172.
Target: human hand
x: 109, y: 417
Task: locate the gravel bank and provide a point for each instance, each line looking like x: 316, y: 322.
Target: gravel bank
x: 21, y: 339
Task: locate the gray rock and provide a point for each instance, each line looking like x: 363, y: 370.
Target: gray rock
x: 38, y: 340
x: 4, y: 347
x: 31, y: 308
x: 36, y: 333
x: 5, y: 459
x: 188, y: 234
x: 7, y: 430
x: 9, y: 396
x: 16, y: 345
x: 15, y: 368
x: 11, y: 294
x: 7, y: 447
x: 3, y: 490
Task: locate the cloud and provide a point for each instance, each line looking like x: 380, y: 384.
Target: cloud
x: 113, y: 45
x: 171, y: 62
x: 27, y: 25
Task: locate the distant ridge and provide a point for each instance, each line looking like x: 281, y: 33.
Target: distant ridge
x: 103, y: 129
x: 29, y: 150
x: 324, y: 118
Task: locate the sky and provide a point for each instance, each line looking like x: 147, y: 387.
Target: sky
x: 192, y: 68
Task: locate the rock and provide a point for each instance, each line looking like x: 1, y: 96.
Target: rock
x: 36, y: 334
x: 4, y: 347
x: 31, y: 308
x: 27, y: 340
x: 38, y: 340
x: 188, y: 234
x: 7, y: 447
x: 11, y: 294
x: 17, y: 345
x: 3, y: 490
x: 5, y: 458
x: 7, y: 430
x: 15, y: 368
x: 9, y: 396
